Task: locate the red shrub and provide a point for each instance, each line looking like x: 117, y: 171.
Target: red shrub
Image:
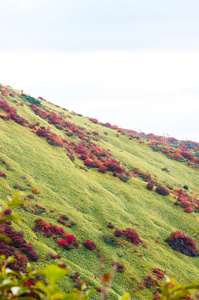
x: 181, y: 242
x: 41, y: 132
x: 176, y: 202
x: 159, y: 273
x: 162, y: 190
x: 2, y: 174
x: 68, y: 241
x: 90, y: 244
x: 107, y: 125
x: 9, y: 249
x: 62, y: 243
x: 150, y: 186
x: 184, y: 204
x: 119, y: 266
x: 118, y: 232
x: 188, y: 210
x: 89, y: 163
x: 110, y: 225
x: 64, y: 217
x: 132, y: 236
x: 94, y: 120
x: 150, y: 282
x: 102, y: 169
x: 113, y: 165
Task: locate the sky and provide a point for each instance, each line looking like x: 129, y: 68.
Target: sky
x: 132, y: 63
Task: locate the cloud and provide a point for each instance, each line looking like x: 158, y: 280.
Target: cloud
x: 24, y: 6
x: 149, y: 90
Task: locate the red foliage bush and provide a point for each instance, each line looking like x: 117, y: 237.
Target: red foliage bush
x: 64, y: 217
x: 90, y: 244
x: 20, y: 264
x: 63, y: 266
x: 132, y: 236
x: 118, y: 232
x: 110, y: 225
x: 176, y: 202
x: 94, y: 120
x: 41, y: 132
x: 62, y: 243
x: 150, y: 186
x: 102, y: 169
x: 113, y: 165
x: 89, y: 163
x: 181, y: 242
x: 9, y: 249
x: 184, y: 204
x: 162, y: 190
x: 150, y: 282
x: 68, y: 241
x: 188, y: 210
x: 159, y: 273
x: 2, y: 174
x: 119, y: 266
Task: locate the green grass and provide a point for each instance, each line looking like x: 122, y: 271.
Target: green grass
x: 93, y: 200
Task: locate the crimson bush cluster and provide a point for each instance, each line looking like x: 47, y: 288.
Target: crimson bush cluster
x: 188, y: 202
x: 181, y: 153
x: 149, y: 282
x: 150, y: 186
x: 131, y: 235
x: 18, y: 242
x: 181, y: 242
x: 173, y: 148
x: 119, y: 266
x: 159, y: 273
x: 162, y: 190
x: 89, y: 244
x: 90, y: 153
x: 64, y: 218
x: 67, y: 241
x: 2, y: 174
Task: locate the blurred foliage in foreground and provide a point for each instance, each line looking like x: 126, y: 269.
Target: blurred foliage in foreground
x: 41, y: 284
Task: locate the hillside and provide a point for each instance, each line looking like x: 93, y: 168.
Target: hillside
x: 94, y: 174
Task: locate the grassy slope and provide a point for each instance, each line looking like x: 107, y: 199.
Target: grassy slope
x: 93, y: 200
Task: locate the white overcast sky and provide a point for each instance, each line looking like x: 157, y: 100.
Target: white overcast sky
x: 133, y: 63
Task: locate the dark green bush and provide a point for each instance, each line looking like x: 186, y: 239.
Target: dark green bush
x: 30, y: 100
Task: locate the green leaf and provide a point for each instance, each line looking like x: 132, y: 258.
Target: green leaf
x: 125, y: 296
x: 57, y: 296
x: 56, y: 289
x: 8, y: 218
x: 29, y: 267
x: 17, y: 196
x: 72, y: 296
x: 54, y: 273
x: 10, y: 259
x: 83, y: 287
x: 16, y: 203
x: 88, y: 294
x: 5, y: 238
x: 40, y: 285
x: 193, y: 285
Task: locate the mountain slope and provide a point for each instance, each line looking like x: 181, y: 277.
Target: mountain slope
x: 53, y: 164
